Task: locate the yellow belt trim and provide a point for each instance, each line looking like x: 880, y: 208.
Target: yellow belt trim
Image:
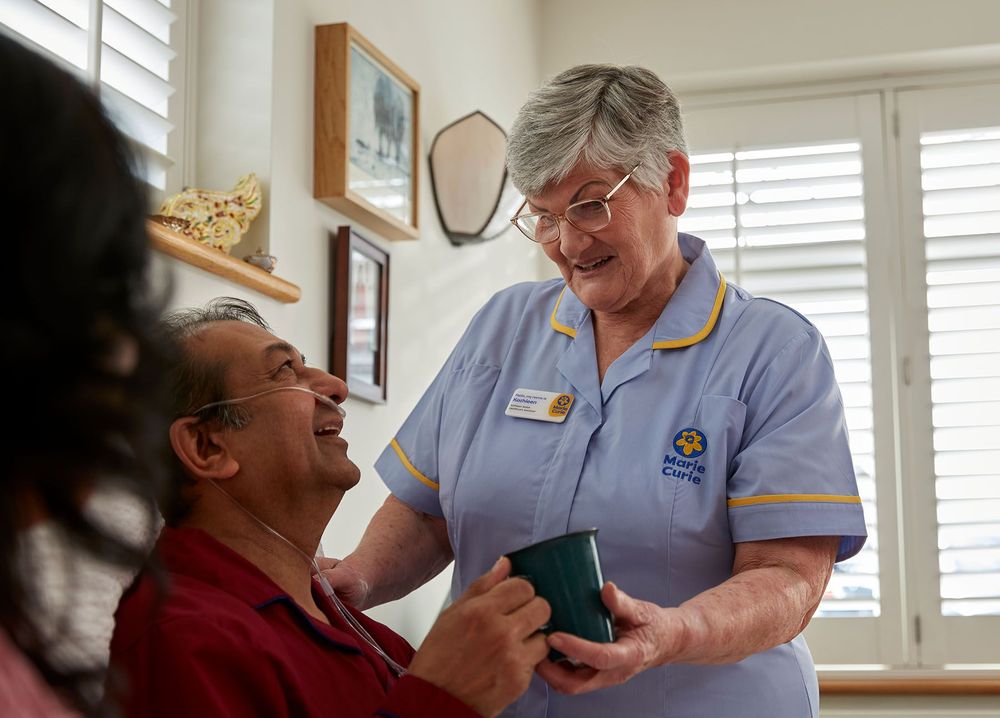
x: 793, y: 498
x: 568, y: 331
x: 705, y: 330
x: 411, y: 468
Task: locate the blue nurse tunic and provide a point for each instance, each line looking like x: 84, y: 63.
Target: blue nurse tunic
x: 723, y: 424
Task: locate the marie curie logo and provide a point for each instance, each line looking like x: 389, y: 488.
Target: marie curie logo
x: 683, y: 463
x: 690, y: 443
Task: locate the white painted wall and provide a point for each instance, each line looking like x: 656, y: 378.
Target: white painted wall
x: 255, y: 112
x: 695, y: 46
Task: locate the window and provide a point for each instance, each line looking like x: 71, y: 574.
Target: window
x: 950, y: 189
x: 125, y: 48
x: 878, y: 218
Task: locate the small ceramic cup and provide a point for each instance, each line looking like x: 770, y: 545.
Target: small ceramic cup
x: 566, y: 572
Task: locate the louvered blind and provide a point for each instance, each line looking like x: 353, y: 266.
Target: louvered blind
x: 960, y: 181
x: 57, y: 28
x: 788, y: 223
x: 133, y: 65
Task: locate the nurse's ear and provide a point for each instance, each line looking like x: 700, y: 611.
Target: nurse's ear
x: 202, y: 449
x: 676, y: 186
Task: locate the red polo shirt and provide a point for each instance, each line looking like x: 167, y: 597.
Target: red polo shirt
x: 227, y: 641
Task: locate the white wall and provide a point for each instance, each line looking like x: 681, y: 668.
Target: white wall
x: 465, y: 56
x: 714, y: 44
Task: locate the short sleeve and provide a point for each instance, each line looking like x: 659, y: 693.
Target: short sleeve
x: 432, y: 442
x: 793, y: 474
x: 409, y: 464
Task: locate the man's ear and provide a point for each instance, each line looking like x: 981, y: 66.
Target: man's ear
x: 676, y: 185
x: 203, y: 450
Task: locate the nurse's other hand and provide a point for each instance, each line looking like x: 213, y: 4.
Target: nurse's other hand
x: 646, y: 635
x: 350, y: 585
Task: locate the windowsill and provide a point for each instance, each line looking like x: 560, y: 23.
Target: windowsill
x: 212, y: 260
x: 887, y: 681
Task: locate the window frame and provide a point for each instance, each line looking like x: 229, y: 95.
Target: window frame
x: 944, y: 639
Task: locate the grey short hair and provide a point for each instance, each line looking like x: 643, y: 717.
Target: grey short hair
x: 196, y: 382
x: 609, y: 116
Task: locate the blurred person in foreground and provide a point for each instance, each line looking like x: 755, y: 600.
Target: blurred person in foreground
x: 699, y: 428
x: 245, y: 629
x: 82, y: 367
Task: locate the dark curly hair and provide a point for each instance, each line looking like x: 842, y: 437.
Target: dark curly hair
x: 81, y: 355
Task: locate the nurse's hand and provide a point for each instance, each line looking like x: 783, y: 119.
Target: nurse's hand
x: 350, y: 585
x: 647, y: 635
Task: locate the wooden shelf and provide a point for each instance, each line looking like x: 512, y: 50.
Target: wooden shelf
x: 910, y: 686
x: 176, y: 245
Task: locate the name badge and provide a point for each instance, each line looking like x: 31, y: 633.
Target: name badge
x: 539, y: 405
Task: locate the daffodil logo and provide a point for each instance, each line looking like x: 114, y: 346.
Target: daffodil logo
x: 560, y: 405
x: 690, y: 442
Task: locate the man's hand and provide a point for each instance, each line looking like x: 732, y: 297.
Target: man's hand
x: 484, y: 648
x: 646, y: 636
x: 350, y: 585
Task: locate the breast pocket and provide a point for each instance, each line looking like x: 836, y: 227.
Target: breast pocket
x: 698, y: 460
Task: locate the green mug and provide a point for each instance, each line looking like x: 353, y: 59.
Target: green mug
x: 566, y: 572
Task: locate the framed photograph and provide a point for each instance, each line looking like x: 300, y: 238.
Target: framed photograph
x: 365, y: 155
x: 359, y: 314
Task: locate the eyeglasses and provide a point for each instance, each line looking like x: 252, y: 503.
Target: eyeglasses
x: 588, y: 215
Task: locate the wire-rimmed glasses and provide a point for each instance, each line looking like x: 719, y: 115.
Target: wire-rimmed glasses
x: 587, y: 215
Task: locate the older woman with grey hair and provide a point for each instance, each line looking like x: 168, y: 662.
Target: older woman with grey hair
x: 698, y: 427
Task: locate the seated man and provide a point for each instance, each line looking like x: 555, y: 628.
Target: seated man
x: 243, y: 629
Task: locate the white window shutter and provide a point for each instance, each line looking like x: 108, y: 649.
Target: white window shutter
x: 133, y: 65
x: 960, y: 183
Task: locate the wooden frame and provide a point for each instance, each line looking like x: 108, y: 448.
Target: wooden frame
x: 359, y: 314
x: 366, y: 142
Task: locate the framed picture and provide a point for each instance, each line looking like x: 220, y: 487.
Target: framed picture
x: 365, y: 155
x: 359, y: 314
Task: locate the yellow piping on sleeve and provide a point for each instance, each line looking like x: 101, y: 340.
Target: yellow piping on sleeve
x: 411, y: 468
x: 705, y: 330
x: 793, y: 498
x: 568, y: 331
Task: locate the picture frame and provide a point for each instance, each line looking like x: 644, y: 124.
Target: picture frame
x: 366, y: 142
x: 359, y: 314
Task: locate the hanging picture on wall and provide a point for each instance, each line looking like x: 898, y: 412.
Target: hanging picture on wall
x: 366, y: 133
x: 359, y: 314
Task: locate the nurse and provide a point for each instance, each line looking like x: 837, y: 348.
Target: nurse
x: 698, y: 427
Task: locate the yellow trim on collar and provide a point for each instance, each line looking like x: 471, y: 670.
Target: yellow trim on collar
x: 705, y: 330
x: 568, y: 331
x: 793, y: 498
x: 411, y: 468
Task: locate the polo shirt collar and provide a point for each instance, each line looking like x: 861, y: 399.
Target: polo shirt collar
x: 195, y: 554
x: 690, y: 314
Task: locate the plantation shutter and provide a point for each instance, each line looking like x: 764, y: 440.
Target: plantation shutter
x: 124, y: 43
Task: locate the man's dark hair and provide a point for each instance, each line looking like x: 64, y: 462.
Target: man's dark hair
x: 195, y: 382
